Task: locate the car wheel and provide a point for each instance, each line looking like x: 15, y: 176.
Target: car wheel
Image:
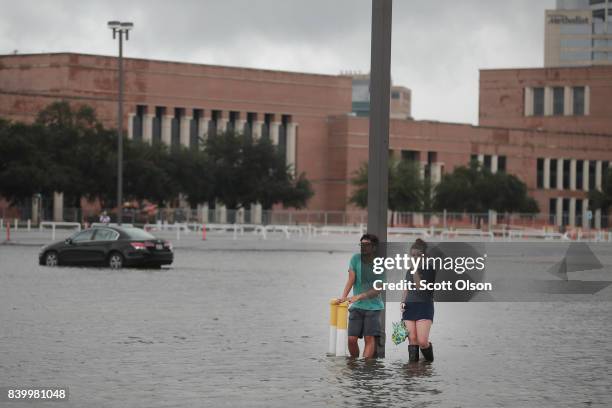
x: 51, y: 258
x: 115, y: 260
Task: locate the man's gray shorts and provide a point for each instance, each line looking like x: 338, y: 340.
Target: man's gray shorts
x: 364, y: 323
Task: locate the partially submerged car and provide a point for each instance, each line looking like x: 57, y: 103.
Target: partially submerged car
x: 110, y: 246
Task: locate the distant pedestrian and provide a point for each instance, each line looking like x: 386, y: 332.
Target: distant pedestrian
x: 104, y: 218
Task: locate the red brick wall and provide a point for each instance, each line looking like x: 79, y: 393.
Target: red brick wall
x: 501, y: 100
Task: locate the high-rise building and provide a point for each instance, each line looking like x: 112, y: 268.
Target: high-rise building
x: 578, y: 33
x: 400, y: 103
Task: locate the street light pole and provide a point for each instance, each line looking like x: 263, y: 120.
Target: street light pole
x: 120, y: 28
x: 378, y: 156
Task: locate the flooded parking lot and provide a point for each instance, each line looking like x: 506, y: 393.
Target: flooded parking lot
x: 245, y: 324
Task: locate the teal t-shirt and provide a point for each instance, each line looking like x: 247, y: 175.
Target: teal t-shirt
x: 364, y: 281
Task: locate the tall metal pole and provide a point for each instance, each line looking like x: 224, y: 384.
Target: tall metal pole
x: 120, y: 135
x: 378, y: 170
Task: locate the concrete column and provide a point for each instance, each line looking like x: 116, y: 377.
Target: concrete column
x: 547, y: 173
x: 221, y: 214
x: 585, y: 213
x: 587, y: 100
x: 240, y: 216
x: 274, y: 132
x: 147, y: 128
x: 221, y: 125
x: 256, y: 131
x: 572, y: 212
x: 130, y: 130
x: 436, y: 173
x: 58, y: 207
x: 481, y: 159
x: 494, y: 164
x: 568, y: 101
x: 422, y: 166
x: 166, y: 130
x: 35, y: 209
x: 597, y: 218
x: 185, y: 130
x: 598, y: 175
x: 528, y: 101
x: 573, y: 174
x: 559, y: 174
x: 256, y: 213
x: 239, y: 126
x: 203, y: 130
x: 559, y: 212
x: 548, y: 101
x: 203, y: 213
x: 291, y: 146
x: 585, y: 175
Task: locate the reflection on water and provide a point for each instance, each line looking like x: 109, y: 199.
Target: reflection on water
x: 376, y: 382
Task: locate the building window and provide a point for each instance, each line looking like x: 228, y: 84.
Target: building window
x: 194, y: 129
x: 600, y: 56
x: 566, y: 174
x: 487, y: 162
x: 501, y: 164
x: 411, y: 155
x: 175, y: 134
x: 160, y: 111
x: 599, y: 14
x: 591, y: 2
x: 579, y: 174
x: 553, y: 173
x: 579, y: 212
x: 575, y: 43
x: 575, y: 29
x: 137, y: 122
x: 578, y: 107
x: 558, y: 98
x: 552, y: 210
x: 565, y: 211
x: 538, y: 101
x: 395, y: 95
x: 540, y: 173
x: 265, y: 129
x: 575, y: 55
x: 592, y: 167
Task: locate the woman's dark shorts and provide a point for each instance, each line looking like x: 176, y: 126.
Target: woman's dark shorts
x: 418, y: 311
x: 364, y: 323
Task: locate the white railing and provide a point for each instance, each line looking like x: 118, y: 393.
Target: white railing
x: 53, y: 225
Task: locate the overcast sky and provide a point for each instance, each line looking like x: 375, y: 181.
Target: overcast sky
x: 438, y: 46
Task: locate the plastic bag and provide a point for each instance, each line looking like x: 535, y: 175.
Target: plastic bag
x: 399, y: 333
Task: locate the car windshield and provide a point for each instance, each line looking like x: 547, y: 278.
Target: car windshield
x: 137, y: 233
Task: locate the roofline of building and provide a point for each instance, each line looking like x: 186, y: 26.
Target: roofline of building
x: 437, y: 122
x: 172, y: 62
x: 568, y: 68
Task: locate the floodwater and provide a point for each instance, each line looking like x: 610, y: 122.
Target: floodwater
x: 230, y: 326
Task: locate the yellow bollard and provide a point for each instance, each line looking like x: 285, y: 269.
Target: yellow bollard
x: 333, y: 317
x: 341, y: 329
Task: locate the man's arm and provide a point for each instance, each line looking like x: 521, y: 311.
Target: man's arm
x: 349, y: 285
x: 365, y: 295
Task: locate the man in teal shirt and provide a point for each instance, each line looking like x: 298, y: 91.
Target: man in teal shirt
x: 366, y: 302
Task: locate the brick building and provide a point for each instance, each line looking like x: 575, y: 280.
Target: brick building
x: 551, y: 127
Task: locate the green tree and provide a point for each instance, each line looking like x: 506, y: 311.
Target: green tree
x: 247, y: 171
x: 406, y: 188
x: 475, y: 189
x: 602, y: 199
